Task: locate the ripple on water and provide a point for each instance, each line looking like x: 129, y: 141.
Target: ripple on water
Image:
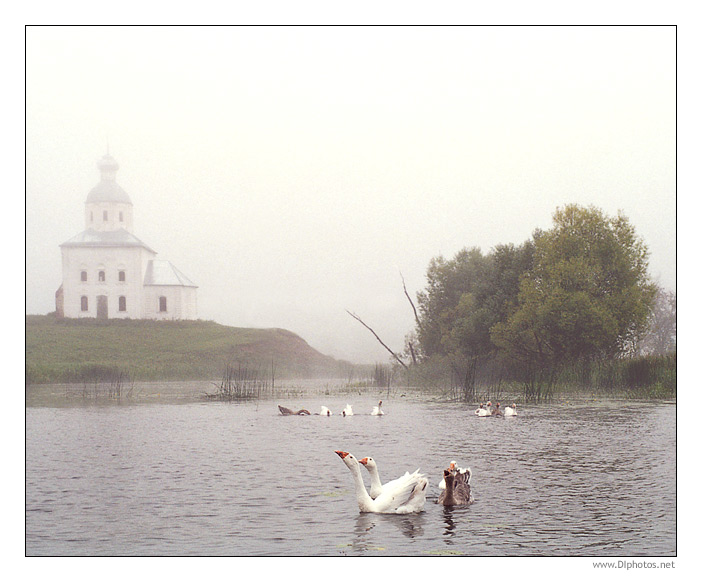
x: 194, y: 479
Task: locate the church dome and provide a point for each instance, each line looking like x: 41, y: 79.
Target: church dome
x: 108, y: 190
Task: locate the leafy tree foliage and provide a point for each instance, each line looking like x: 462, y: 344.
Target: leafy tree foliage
x: 579, y: 291
x: 466, y: 296
x: 587, y: 295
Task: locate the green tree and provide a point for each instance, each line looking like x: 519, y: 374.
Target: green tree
x: 588, y: 294
x: 466, y: 296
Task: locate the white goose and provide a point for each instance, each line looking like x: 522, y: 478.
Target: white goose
x: 511, y: 410
x: 482, y: 411
x: 376, y: 409
x: 488, y: 407
x: 325, y: 411
x: 377, y: 487
x: 407, y: 498
x: 348, y: 411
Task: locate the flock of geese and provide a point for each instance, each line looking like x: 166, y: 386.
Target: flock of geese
x: 488, y: 410
x: 485, y: 409
x: 347, y: 411
x: 406, y: 494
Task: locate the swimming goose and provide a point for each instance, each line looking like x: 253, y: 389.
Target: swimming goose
x: 287, y: 412
x: 325, y: 411
x: 377, y: 487
x: 457, y: 490
x: 497, y: 411
x: 511, y: 410
x: 407, y: 498
x: 482, y: 411
x: 376, y: 409
x: 348, y: 411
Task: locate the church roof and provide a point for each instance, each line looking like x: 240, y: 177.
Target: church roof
x: 108, y: 190
x: 162, y: 272
x: 106, y: 238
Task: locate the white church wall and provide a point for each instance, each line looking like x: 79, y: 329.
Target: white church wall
x: 102, y: 266
x: 170, y: 302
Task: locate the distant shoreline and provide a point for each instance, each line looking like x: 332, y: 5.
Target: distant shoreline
x: 80, y: 350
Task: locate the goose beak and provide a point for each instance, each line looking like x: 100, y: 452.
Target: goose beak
x: 342, y: 454
x: 363, y: 461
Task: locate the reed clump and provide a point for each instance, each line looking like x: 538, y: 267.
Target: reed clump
x: 241, y: 383
x: 488, y: 378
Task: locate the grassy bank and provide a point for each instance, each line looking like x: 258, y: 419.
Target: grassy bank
x: 87, y: 349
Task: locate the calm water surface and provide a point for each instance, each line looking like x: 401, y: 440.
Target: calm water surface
x: 185, y: 477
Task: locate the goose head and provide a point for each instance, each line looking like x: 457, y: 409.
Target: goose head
x: 348, y: 458
x: 368, y: 463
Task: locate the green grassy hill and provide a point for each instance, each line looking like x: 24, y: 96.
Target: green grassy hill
x: 75, y: 350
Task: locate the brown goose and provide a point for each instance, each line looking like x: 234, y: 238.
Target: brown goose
x: 457, y: 490
x: 287, y: 412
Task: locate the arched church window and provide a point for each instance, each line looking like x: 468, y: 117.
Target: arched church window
x: 104, y: 215
x: 84, y: 276
x: 84, y: 303
x: 122, y: 303
x: 121, y: 216
x: 162, y: 304
x: 122, y: 276
x: 101, y: 276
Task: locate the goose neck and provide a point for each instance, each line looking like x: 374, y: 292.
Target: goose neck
x: 375, y: 478
x: 361, y: 494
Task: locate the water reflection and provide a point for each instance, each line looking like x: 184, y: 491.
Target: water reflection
x: 409, y: 525
x: 450, y: 524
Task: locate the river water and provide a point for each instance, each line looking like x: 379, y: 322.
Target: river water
x: 160, y: 476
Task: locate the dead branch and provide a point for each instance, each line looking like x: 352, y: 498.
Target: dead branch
x: 394, y: 355
x: 416, y: 316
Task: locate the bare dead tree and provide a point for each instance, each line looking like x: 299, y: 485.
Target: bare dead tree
x: 394, y: 355
x: 416, y: 316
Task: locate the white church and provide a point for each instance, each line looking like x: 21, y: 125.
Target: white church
x: 109, y: 273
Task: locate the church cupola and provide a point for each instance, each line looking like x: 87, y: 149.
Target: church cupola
x: 108, y: 207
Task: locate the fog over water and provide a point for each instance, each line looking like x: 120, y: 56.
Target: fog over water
x: 294, y: 173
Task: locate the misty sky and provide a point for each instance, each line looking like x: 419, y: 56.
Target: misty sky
x: 293, y: 173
